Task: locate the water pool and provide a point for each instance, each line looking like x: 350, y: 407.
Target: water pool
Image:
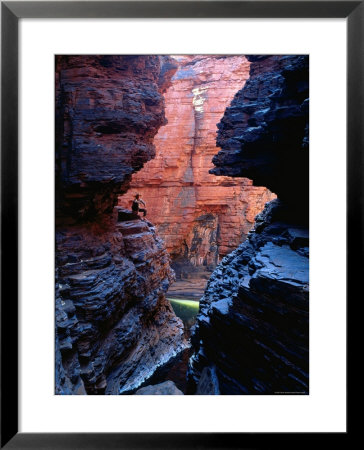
x: 186, y: 310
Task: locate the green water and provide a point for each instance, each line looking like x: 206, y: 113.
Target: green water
x: 186, y: 309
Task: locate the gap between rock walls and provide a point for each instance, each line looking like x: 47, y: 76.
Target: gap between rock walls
x: 200, y: 217
x: 127, y: 287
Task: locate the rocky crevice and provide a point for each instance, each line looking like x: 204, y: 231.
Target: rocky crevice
x: 183, y: 199
x: 114, y: 325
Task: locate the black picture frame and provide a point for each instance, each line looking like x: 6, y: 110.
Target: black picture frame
x: 11, y: 12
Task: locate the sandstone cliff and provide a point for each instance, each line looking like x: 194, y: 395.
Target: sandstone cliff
x: 200, y: 217
x: 113, y: 323
x: 252, y: 330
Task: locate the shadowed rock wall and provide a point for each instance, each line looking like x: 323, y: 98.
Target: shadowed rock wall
x: 113, y: 322
x: 252, y: 329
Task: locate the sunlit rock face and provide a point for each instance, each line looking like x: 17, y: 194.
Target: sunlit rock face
x: 114, y: 325
x: 252, y: 327
x: 201, y: 217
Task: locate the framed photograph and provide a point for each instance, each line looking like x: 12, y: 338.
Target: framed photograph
x: 181, y: 209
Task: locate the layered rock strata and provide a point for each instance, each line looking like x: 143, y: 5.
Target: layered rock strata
x: 200, y: 217
x: 114, y: 325
x: 108, y: 110
x: 251, y: 335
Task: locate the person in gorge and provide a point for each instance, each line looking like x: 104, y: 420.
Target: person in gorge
x: 136, y: 205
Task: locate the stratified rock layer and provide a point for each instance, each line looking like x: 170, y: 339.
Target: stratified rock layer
x: 108, y: 110
x: 200, y: 217
x: 252, y: 328
x: 114, y: 325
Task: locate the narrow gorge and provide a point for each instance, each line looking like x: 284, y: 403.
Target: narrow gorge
x: 217, y: 148
x: 200, y: 217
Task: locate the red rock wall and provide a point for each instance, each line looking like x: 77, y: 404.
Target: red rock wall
x: 199, y: 216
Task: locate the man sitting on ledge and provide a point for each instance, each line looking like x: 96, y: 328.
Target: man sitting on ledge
x: 136, y: 205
